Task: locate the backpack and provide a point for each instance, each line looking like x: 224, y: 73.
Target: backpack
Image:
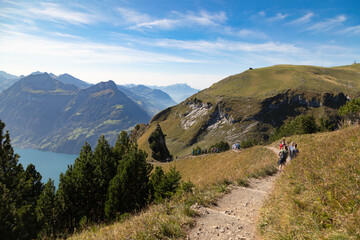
x: 282, y: 154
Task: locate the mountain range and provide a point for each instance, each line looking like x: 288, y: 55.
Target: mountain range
x: 39, y: 107
x: 179, y: 92
x: 44, y: 113
x: 249, y: 106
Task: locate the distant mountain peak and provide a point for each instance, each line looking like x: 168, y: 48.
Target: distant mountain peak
x: 36, y: 73
x: 68, y: 79
x: 106, y: 85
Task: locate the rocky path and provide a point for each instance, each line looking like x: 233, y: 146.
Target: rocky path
x: 236, y: 213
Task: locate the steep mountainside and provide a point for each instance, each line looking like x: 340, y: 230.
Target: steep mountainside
x: 250, y: 105
x: 46, y: 114
x: 152, y: 100
x: 6, y: 80
x: 68, y: 79
x: 178, y: 92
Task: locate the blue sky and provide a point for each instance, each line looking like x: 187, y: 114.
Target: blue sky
x: 165, y: 42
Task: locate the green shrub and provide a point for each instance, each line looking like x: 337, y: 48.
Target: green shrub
x: 222, y: 146
x: 163, y: 186
x: 351, y: 110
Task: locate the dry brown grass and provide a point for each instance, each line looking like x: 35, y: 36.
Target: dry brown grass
x: 209, y: 169
x: 163, y: 221
x: 318, y: 195
x: 210, y: 173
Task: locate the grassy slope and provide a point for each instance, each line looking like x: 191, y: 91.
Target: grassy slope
x: 265, y: 82
x: 318, y: 196
x: 241, y: 95
x: 209, y: 173
x: 208, y: 169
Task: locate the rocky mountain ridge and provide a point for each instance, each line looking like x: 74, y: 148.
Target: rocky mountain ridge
x: 249, y: 106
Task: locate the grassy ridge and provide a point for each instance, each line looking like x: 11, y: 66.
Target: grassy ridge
x: 209, y: 169
x: 265, y: 82
x: 211, y: 175
x: 318, y: 196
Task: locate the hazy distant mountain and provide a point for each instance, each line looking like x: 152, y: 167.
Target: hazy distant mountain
x: 44, y: 113
x: 178, y: 92
x: 6, y: 80
x: 152, y: 100
x: 68, y: 79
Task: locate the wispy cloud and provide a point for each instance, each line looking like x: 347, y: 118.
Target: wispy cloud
x: 264, y: 16
x: 142, y: 21
x: 80, y: 51
x: 278, y: 16
x: 56, y: 13
x: 328, y: 24
x: 133, y: 17
x: 224, y: 45
x: 304, y: 19
x: 352, y: 30
x: 65, y: 35
x: 248, y: 33
x: 46, y: 11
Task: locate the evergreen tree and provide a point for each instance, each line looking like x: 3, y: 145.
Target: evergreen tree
x: 47, y: 210
x: 68, y: 198
x: 19, y: 191
x: 84, y: 174
x: 122, y: 145
x: 351, y: 110
x: 164, y: 185
x: 105, y: 170
x: 129, y: 189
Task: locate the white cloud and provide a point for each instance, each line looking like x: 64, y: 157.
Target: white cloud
x: 47, y: 12
x: 56, y: 13
x: 190, y: 19
x: 352, y: 30
x: 279, y: 16
x: 65, y: 35
x: 251, y: 34
x: 133, y: 17
x: 304, y: 19
x: 15, y: 43
x: 161, y: 24
x: 224, y: 45
x: 328, y: 24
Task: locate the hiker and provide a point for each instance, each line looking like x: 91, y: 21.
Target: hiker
x: 283, y: 154
x: 293, y: 151
x: 282, y: 143
x: 291, y: 148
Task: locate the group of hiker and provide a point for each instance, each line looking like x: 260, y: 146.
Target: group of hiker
x: 236, y: 146
x: 286, y: 152
x: 199, y: 151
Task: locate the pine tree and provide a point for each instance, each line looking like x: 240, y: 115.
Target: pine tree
x: 19, y: 191
x: 105, y: 170
x: 129, y: 189
x: 84, y: 174
x: 47, y: 210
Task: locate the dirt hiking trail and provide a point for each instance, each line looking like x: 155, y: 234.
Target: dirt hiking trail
x: 235, y: 215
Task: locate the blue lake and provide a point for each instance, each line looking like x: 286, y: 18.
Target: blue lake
x: 48, y: 164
